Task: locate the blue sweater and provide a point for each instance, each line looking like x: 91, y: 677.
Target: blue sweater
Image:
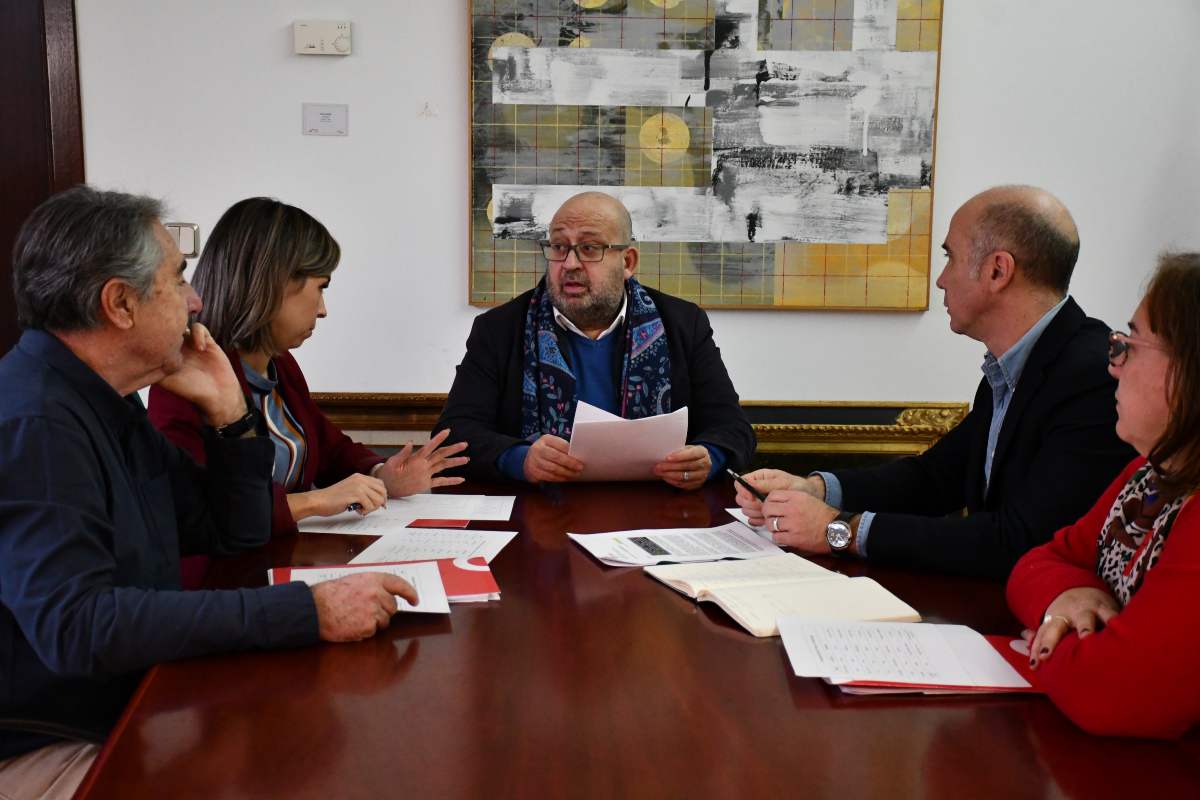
x: 95, y: 508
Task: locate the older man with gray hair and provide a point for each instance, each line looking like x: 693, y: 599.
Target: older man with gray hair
x: 96, y: 507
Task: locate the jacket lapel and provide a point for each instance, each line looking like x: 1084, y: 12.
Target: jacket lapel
x: 1045, y: 353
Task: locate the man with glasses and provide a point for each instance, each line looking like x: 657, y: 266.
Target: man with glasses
x: 1039, y: 444
x: 589, y: 331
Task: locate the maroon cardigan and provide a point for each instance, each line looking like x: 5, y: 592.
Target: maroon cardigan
x: 331, y: 455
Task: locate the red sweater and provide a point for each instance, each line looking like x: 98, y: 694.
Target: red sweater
x: 1137, y: 675
x: 331, y: 455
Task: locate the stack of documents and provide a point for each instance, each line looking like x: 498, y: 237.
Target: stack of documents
x: 756, y: 593
x: 421, y: 510
x: 874, y: 658
x: 447, y: 580
x: 675, y: 545
x: 616, y: 449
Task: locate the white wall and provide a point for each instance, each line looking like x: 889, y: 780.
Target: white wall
x: 199, y: 102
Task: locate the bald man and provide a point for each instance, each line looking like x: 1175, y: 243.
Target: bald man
x: 1036, y: 450
x: 590, y: 332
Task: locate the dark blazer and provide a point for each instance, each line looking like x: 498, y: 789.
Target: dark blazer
x: 331, y: 455
x: 1057, y: 451
x: 484, y: 406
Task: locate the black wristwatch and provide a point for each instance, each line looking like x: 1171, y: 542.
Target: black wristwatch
x: 240, y: 427
x: 839, y: 533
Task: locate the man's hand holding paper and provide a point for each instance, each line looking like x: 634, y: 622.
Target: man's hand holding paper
x: 686, y: 468
x: 615, y: 449
x: 549, y: 461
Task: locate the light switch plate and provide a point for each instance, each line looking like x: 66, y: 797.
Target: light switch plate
x: 186, y: 236
x: 320, y: 37
x: 325, y: 119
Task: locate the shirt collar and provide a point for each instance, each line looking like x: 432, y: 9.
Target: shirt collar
x: 111, y: 407
x: 566, y: 324
x: 264, y: 384
x: 1006, y: 370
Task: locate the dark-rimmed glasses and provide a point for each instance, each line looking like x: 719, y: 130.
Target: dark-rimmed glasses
x: 584, y: 251
x: 1119, y: 344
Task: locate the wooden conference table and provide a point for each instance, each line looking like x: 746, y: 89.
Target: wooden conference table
x: 592, y: 681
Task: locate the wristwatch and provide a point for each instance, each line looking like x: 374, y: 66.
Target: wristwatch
x: 240, y: 427
x: 839, y: 534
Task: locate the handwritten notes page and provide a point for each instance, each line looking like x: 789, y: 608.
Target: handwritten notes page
x: 657, y: 546
x: 401, y: 511
x: 616, y: 449
x: 922, y: 655
x: 420, y: 544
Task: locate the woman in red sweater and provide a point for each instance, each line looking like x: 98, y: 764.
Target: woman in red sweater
x: 262, y: 278
x: 1112, y: 598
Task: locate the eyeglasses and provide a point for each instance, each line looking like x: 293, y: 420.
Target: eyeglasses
x: 1119, y: 344
x: 584, y: 251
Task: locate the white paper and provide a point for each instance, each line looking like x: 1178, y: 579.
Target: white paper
x: 425, y: 578
x: 895, y: 652
x: 401, y: 511
x: 678, y: 545
x: 616, y: 449
x: 422, y: 544
x: 741, y: 517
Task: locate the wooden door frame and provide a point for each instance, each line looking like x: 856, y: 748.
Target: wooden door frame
x: 43, y: 137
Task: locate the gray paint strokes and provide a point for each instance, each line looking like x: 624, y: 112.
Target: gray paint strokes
x: 796, y: 206
x: 874, y: 25
x: 569, y: 76
x: 806, y: 144
x: 659, y: 213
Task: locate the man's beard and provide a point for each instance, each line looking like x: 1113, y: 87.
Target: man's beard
x: 596, y: 309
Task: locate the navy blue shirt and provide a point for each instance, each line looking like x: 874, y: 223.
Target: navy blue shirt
x: 95, y: 509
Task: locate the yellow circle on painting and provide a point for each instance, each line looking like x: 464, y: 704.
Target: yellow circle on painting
x: 491, y: 214
x: 580, y: 41
x: 664, y: 138
x: 593, y: 3
x: 511, y: 39
x: 666, y: 3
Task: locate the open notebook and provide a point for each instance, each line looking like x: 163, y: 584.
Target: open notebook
x: 755, y: 593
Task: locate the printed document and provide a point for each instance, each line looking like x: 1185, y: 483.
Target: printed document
x: 423, y: 544
x: 616, y: 449
x: 657, y: 546
x: 401, y: 511
x: 425, y: 578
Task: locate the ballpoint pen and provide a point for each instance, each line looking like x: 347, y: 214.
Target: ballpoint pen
x: 762, y: 498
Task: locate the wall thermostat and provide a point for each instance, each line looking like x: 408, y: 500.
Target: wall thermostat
x: 317, y: 37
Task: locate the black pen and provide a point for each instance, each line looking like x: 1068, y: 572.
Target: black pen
x: 354, y: 507
x: 762, y: 498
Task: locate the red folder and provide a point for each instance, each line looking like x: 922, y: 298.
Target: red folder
x: 1002, y: 645
x: 439, y: 523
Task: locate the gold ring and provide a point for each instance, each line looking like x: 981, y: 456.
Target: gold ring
x: 685, y: 476
x: 1050, y: 616
x: 775, y: 524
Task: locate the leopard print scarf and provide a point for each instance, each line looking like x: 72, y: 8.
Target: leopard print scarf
x: 1134, y: 534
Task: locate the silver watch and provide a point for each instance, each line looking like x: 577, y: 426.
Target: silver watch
x: 839, y: 534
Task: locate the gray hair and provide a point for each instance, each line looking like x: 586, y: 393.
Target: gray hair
x: 73, y: 244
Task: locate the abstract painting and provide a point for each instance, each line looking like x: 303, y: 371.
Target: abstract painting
x: 772, y: 153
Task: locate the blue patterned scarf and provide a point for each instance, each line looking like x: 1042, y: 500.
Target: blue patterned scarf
x: 548, y: 389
